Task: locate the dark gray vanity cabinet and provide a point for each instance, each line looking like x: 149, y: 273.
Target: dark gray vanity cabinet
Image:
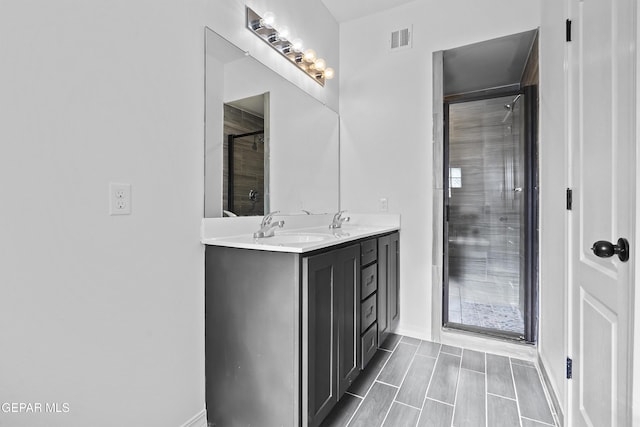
x: 331, y: 329
x: 388, y: 304
x: 252, y: 337
x: 284, y: 332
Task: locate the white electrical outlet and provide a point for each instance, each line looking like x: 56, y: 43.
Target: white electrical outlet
x: 119, y: 199
x: 384, y: 204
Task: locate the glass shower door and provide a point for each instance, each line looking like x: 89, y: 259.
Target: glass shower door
x: 485, y: 219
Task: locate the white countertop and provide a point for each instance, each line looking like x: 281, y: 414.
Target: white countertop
x: 301, y: 233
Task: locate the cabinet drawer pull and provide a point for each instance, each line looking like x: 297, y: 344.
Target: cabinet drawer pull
x: 369, y: 280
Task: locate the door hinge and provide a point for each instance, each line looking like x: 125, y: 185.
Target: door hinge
x: 569, y: 368
x: 568, y: 30
x: 569, y: 199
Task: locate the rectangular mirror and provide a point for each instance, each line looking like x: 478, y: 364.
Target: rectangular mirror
x: 295, y: 164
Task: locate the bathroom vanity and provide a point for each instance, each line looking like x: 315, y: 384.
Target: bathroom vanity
x: 292, y: 319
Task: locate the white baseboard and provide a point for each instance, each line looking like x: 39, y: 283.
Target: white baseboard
x: 198, y: 420
x: 411, y: 332
x: 552, y: 392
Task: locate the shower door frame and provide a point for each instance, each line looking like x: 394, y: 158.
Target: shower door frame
x: 231, y: 167
x: 530, y: 202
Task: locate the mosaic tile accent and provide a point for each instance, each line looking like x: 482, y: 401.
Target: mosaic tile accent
x: 500, y: 317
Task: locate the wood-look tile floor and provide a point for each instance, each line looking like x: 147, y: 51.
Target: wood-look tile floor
x: 420, y: 383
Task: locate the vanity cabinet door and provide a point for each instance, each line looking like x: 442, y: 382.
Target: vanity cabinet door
x: 383, y: 280
x: 321, y: 288
x: 388, y: 307
x: 332, y: 289
x: 393, y: 271
x: 349, y: 347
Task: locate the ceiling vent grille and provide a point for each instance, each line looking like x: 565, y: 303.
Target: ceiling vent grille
x: 401, y: 39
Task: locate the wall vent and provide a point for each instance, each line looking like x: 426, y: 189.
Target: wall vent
x: 401, y: 39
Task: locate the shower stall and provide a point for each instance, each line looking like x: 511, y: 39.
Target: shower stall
x: 490, y: 232
x: 245, y: 169
x: 244, y: 173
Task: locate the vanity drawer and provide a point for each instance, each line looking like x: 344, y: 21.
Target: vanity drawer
x: 369, y: 342
x: 367, y: 313
x: 369, y: 280
x: 368, y: 251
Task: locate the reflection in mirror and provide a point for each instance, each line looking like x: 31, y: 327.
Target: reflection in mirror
x: 294, y: 166
x: 244, y: 156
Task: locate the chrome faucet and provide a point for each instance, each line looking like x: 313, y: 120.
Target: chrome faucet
x: 338, y: 219
x: 267, y: 226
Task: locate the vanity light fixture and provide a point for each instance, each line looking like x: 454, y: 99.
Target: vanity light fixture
x: 279, y: 39
x: 310, y: 56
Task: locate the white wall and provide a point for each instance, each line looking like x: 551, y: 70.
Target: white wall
x: 102, y: 312
x: 635, y: 409
x: 386, y: 127
x: 553, y: 337
x: 106, y: 313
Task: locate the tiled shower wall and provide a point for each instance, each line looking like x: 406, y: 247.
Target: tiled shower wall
x: 486, y: 211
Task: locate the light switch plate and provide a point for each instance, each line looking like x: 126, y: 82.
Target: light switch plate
x: 119, y: 199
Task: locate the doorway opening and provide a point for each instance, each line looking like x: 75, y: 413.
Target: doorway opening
x: 490, y: 191
x: 245, y: 157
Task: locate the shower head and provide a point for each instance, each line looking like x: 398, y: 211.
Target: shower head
x: 509, y: 107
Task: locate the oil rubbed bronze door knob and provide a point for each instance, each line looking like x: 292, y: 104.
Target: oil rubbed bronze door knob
x: 604, y: 249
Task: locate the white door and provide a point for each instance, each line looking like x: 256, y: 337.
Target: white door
x: 602, y: 157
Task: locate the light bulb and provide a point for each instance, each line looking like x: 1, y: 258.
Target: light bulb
x: 310, y: 55
x: 320, y: 64
x: 268, y: 19
x: 297, y: 45
x: 284, y: 33
x: 329, y: 73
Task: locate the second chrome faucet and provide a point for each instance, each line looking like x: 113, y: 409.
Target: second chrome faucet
x: 338, y: 219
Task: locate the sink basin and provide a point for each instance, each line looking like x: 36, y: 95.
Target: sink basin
x: 284, y: 239
x: 280, y: 239
x: 356, y: 229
